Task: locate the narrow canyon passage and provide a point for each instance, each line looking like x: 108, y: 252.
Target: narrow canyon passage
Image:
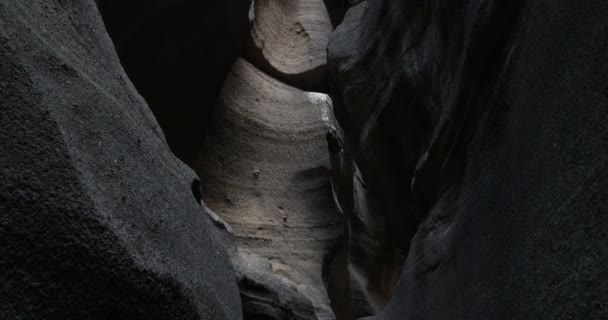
x: 303, y: 159
x: 264, y: 165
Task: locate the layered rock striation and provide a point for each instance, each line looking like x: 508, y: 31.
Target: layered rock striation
x: 264, y: 170
x: 264, y: 166
x: 289, y: 41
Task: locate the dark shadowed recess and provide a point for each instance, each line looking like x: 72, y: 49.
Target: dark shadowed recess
x: 337, y: 9
x: 177, y: 53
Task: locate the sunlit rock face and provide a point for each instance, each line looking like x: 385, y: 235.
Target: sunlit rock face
x: 289, y: 41
x: 265, y: 168
x: 469, y: 155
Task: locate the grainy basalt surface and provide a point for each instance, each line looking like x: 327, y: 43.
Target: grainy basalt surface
x: 474, y: 142
x: 97, y: 219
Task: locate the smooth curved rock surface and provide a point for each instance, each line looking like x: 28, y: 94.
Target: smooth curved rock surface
x: 177, y: 53
x: 476, y: 130
x: 97, y: 219
x: 265, y: 170
x: 289, y: 41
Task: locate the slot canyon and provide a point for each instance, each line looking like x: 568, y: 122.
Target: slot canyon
x: 304, y: 159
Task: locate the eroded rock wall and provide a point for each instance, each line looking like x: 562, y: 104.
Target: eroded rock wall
x: 97, y: 218
x: 265, y: 168
x: 473, y: 144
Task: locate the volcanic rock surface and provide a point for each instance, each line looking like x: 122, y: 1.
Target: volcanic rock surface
x: 97, y: 220
x: 474, y: 142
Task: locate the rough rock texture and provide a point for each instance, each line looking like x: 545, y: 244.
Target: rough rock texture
x: 97, y: 219
x: 265, y: 170
x: 177, y: 53
x: 289, y: 41
x: 474, y: 141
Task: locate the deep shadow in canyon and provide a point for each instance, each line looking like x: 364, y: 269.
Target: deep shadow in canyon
x: 304, y: 159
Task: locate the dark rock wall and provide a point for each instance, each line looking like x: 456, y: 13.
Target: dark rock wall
x: 475, y: 141
x: 97, y: 220
x: 177, y: 53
